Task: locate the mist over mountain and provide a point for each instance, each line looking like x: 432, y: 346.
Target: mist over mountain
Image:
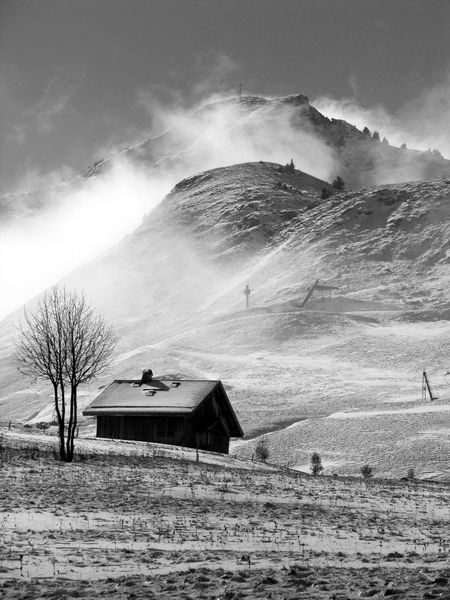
x: 118, y: 190
x: 361, y: 157
x: 283, y: 126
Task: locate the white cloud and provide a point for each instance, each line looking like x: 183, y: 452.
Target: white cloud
x: 53, y: 101
x: 421, y: 124
x: 76, y: 223
x: 223, y: 133
x: 83, y: 218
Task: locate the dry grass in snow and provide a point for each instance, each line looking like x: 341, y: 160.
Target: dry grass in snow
x: 147, y: 526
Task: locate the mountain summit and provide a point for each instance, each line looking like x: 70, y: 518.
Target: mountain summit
x: 362, y: 158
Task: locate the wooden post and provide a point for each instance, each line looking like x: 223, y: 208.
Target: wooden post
x: 426, y: 387
x: 309, y: 293
x: 247, y: 293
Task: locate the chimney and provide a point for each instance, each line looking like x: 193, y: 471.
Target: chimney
x: 147, y: 376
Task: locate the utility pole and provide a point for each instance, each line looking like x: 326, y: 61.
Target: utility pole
x: 247, y: 293
x: 240, y: 90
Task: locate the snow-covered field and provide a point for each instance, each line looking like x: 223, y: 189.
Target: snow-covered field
x: 356, y: 397
x: 132, y: 516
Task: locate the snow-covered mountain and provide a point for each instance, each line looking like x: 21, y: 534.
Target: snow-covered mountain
x: 351, y: 364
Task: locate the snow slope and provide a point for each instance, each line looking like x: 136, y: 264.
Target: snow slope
x: 173, y: 290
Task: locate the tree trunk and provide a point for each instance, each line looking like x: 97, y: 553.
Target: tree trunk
x: 60, y: 415
x: 72, y: 424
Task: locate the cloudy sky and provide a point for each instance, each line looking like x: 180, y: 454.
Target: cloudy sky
x: 77, y: 76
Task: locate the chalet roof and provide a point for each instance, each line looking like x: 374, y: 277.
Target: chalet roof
x: 156, y: 398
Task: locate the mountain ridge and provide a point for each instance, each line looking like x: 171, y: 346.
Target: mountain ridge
x: 357, y: 153
x: 359, y: 159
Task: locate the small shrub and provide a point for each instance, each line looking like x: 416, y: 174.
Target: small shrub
x: 366, y: 472
x: 35, y: 453
x: 325, y: 193
x: 316, y: 464
x: 262, y: 450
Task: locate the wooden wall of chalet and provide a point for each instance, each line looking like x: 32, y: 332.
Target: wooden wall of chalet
x: 165, y: 430
x: 211, y: 424
x: 207, y: 428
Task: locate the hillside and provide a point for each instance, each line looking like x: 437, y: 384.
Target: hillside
x: 345, y: 372
x: 246, y: 206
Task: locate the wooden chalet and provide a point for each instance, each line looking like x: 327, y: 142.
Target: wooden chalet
x: 190, y: 413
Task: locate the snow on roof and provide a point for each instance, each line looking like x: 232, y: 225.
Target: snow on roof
x: 159, y: 396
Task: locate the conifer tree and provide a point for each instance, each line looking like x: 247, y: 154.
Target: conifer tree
x: 338, y: 183
x: 316, y: 464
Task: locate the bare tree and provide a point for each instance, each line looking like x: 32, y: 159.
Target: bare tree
x: 66, y: 343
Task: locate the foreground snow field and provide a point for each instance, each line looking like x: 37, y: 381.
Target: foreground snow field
x: 138, y: 520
